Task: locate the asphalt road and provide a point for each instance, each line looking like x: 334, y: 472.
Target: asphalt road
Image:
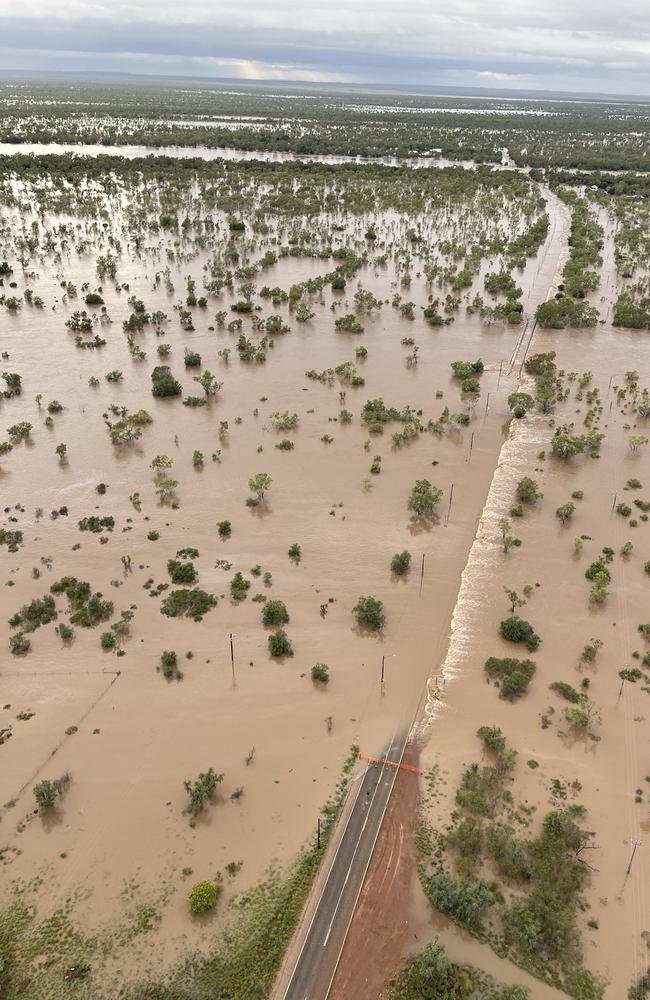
x: 314, y: 970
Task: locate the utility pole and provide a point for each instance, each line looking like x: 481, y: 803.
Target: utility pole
x: 232, y: 636
x: 422, y: 574
x: 471, y: 445
x: 383, y: 662
x: 318, y: 834
x: 451, y: 497
x: 635, y: 844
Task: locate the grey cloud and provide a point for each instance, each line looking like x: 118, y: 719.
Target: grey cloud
x: 550, y: 44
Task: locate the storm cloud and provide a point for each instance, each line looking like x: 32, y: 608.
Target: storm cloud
x: 515, y: 44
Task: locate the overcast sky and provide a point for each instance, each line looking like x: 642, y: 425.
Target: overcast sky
x: 580, y: 45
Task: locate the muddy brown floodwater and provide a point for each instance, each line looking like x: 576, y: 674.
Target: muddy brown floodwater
x: 119, y: 838
x: 611, y: 769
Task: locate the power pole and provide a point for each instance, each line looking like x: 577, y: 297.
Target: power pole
x: 451, y: 497
x: 635, y: 844
x: 421, y: 574
x: 232, y: 636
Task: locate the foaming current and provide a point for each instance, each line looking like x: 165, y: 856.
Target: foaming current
x: 525, y: 437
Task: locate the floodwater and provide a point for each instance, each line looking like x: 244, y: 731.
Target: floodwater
x: 119, y: 837
x: 131, y: 152
x: 612, y: 767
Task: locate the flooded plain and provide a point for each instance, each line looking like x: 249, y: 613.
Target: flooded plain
x: 604, y: 770
x: 118, y: 843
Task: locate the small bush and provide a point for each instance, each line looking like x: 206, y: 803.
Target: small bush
x: 108, y: 640
x: 203, y: 896
x: 279, y: 644
x: 400, y: 564
x: 518, y: 630
x: 169, y: 664
x: 567, y: 691
x: 369, y: 612
x: 19, y: 644
x: 45, y: 793
x: 515, y: 675
x: 528, y: 490
x: 493, y: 738
x: 598, y: 573
x: 193, y: 603
x: 164, y: 383
x: 239, y: 587
x: 181, y: 572
x: 275, y: 613
x: 320, y: 673
x: 201, y: 790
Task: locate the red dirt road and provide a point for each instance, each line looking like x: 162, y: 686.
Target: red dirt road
x: 379, y: 933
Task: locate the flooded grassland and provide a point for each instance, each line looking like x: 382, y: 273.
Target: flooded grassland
x: 104, y: 873
x: 580, y: 727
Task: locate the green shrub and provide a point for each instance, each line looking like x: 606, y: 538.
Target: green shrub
x: 400, y: 564
x: 369, y: 612
x: 275, y: 613
x: 565, y: 512
x: 19, y: 644
x: 164, y: 383
x: 203, y: 896
x: 598, y: 572
x: 493, y: 738
x: 464, y: 902
x: 279, y: 644
x: 201, y: 790
x: 38, y: 612
x: 567, y: 691
x: 45, y: 793
x: 320, y: 673
x: 108, y: 640
x: 528, y: 490
x: 514, y: 675
x: 169, y: 664
x: 516, y: 629
x: 181, y: 572
x: 239, y: 587
x: 193, y: 603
